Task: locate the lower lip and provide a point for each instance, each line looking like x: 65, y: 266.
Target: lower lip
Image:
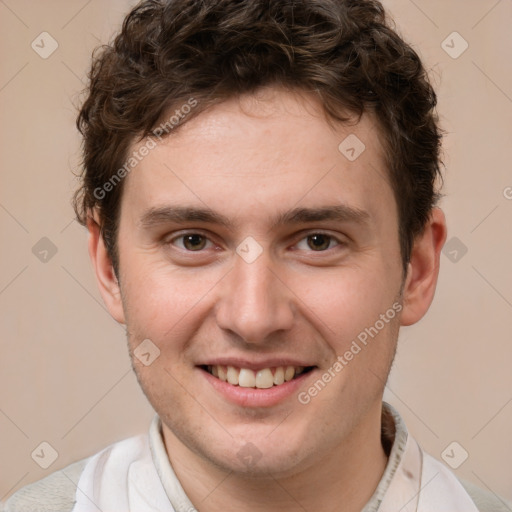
x: 255, y: 397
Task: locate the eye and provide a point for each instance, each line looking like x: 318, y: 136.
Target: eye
x: 192, y: 242
x: 318, y: 242
x: 197, y: 242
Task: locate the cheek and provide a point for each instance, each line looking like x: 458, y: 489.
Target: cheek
x: 346, y: 301
x: 162, y: 303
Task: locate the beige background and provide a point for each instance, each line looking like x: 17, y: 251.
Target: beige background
x: 65, y: 376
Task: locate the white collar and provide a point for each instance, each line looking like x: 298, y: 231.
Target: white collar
x: 136, y: 475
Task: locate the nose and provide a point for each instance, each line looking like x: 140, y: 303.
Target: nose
x: 255, y: 302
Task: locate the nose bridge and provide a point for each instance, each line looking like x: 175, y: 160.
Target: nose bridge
x: 255, y: 302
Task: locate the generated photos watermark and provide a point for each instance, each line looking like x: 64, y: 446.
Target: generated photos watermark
x: 144, y: 150
x: 357, y: 345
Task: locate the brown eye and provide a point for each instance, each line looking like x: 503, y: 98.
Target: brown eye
x: 319, y: 242
x: 194, y: 242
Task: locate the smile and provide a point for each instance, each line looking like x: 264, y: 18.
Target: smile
x: 263, y: 378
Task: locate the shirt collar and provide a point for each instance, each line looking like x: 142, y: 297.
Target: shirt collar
x: 394, y: 437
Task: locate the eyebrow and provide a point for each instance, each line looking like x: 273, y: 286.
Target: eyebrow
x: 156, y: 216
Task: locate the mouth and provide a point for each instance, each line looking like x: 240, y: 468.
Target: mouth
x: 263, y: 378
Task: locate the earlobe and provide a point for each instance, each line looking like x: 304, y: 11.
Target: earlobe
x: 423, y: 269
x: 105, y: 275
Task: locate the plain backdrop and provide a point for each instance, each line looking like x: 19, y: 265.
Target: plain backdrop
x: 65, y: 375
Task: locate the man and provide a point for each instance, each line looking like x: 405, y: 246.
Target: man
x: 260, y: 193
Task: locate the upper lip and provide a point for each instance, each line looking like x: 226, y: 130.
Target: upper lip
x: 253, y: 364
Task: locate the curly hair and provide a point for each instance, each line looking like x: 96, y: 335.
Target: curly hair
x: 346, y: 52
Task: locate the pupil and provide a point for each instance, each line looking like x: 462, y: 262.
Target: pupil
x: 323, y: 239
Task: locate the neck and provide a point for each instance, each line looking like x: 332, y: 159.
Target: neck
x: 346, y: 475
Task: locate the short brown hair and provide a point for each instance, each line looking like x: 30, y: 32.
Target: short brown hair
x: 344, y: 51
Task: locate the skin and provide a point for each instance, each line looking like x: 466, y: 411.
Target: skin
x: 249, y: 159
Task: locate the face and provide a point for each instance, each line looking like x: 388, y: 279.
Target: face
x: 249, y: 240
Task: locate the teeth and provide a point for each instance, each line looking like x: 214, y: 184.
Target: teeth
x: 279, y: 376
x: 262, y: 379
x: 232, y: 375
x: 289, y: 373
x: 222, y: 373
x: 246, y: 378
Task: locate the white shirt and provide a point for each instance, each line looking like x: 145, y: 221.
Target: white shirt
x: 136, y: 475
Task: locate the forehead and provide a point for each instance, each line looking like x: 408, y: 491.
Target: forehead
x: 257, y: 156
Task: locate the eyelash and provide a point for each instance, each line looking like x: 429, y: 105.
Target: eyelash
x: 322, y: 233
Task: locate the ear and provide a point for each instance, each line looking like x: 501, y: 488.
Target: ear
x: 105, y: 275
x: 423, y: 269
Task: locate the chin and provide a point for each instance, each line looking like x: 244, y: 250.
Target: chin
x: 259, y: 463
x: 264, y: 452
